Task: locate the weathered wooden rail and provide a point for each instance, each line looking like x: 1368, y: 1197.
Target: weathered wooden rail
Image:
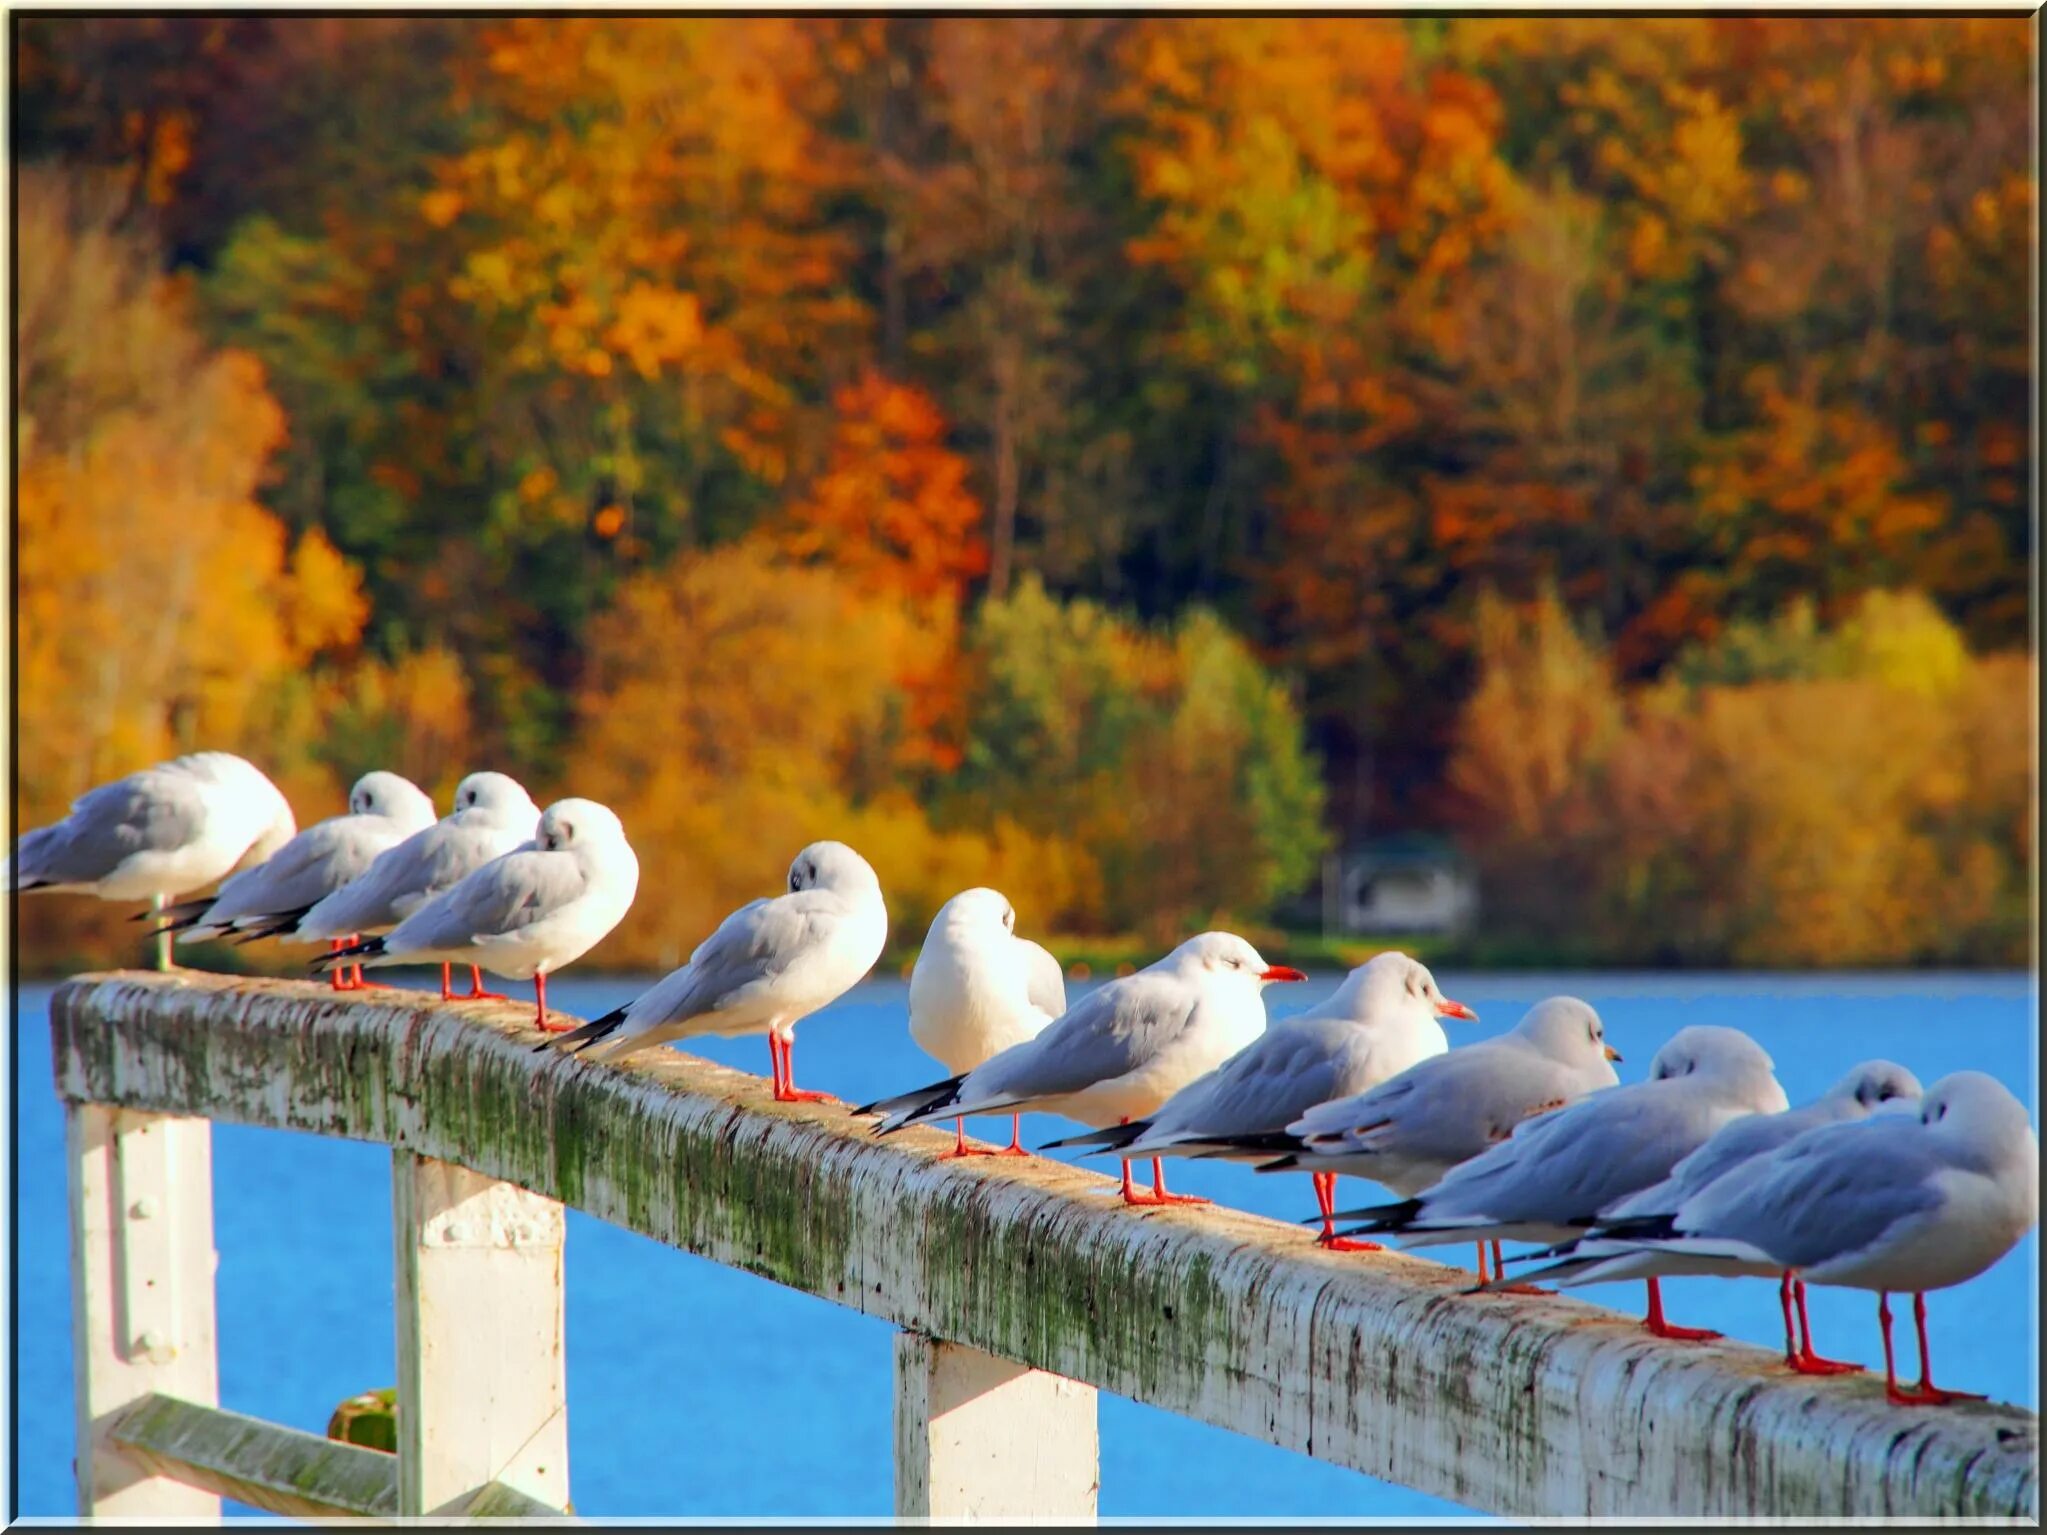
x: 1019, y: 1290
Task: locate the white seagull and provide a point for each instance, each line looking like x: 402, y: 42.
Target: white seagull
x: 1121, y: 1051
x: 493, y: 815
x: 1608, y: 1253
x: 525, y: 914
x: 1410, y: 1130
x: 383, y: 810
x: 1889, y: 1202
x: 769, y: 965
x: 1555, y: 1175
x: 157, y: 833
x: 977, y: 989
x: 1378, y: 1023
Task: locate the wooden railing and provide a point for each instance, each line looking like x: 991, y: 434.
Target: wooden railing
x: 1018, y: 1288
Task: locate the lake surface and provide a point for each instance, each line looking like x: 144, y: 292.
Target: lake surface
x: 697, y: 1390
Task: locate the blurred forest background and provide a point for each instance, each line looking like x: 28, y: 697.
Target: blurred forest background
x: 1112, y: 459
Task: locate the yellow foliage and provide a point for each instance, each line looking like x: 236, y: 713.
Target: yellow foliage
x: 1877, y: 809
x: 729, y: 702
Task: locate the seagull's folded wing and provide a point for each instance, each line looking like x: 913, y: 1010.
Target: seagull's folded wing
x: 501, y: 898
x: 1288, y: 1069
x: 1833, y: 1192
x: 1044, y: 981
x: 144, y: 812
x: 746, y: 952
x: 1107, y: 1034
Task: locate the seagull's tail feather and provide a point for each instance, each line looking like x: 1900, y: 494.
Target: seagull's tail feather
x: 180, y: 913
x: 272, y: 925
x: 1106, y: 1139
x: 1279, y: 1165
x: 1638, y: 1228
x: 1376, y: 1217
x: 578, y: 1040
x: 907, y: 1107
x: 1261, y: 1141
x: 369, y: 948
x: 1556, y: 1273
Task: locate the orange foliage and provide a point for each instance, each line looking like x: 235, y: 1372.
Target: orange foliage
x: 891, y: 508
x: 159, y: 605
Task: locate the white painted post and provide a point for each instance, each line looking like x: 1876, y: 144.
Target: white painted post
x: 987, y: 1438
x: 482, y: 1368
x: 141, y: 1293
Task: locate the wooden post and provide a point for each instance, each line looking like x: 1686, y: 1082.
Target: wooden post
x: 987, y: 1438
x: 482, y: 1377
x: 141, y: 1294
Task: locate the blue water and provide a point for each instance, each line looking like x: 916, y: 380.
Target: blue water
x: 690, y: 1380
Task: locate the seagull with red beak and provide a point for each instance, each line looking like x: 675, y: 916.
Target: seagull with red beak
x: 1120, y: 1052
x: 1379, y: 1022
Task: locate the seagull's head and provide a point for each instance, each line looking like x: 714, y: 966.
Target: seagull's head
x: 1395, y: 980
x: 1878, y: 1086
x: 1570, y: 1032
x: 392, y: 797
x: 1984, y: 1127
x: 1738, y: 1070
x: 979, y: 910
x: 1230, y: 957
x: 574, y: 823
x: 832, y: 866
x: 500, y: 797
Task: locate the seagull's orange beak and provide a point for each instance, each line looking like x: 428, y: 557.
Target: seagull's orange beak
x: 1281, y: 973
x: 1448, y: 1009
x: 1612, y: 1054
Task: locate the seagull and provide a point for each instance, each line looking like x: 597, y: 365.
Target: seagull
x: 383, y: 810
x: 526, y: 914
x: 977, y: 989
x: 1605, y: 1253
x: 155, y: 834
x: 1552, y: 1178
x: 493, y: 815
x: 1410, y: 1130
x: 1379, y: 1022
x: 1892, y: 1201
x: 1121, y: 1051
x: 769, y: 965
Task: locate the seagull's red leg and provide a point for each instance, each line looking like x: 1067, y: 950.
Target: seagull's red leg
x: 1325, y: 1196
x: 1883, y: 1320
x: 1807, y: 1362
x: 1159, y: 1194
x: 476, y: 991
x: 790, y: 1093
x: 960, y: 1148
x: 1662, y: 1329
x: 1015, y: 1146
x: 337, y: 978
x: 358, y: 983
x: 1500, y: 1274
x: 540, y: 1007
x: 1130, y: 1194
x: 1926, y: 1393
x: 1784, y: 1300
x: 447, y: 995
